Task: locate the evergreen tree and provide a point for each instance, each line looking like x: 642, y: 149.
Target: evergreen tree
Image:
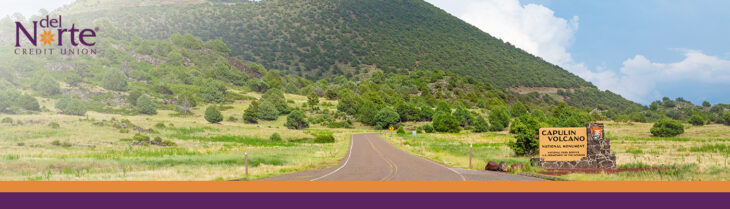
x: 296, y: 120
x: 114, y: 80
x: 426, y: 113
x: 499, y: 118
x: 250, y: 114
x: 480, y: 125
x: 212, y: 92
x: 212, y: 115
x: 267, y: 111
x: 385, y: 118
x: 146, y: 105
x: 526, y: 130
x: 331, y: 94
x: 70, y: 106
x: 462, y: 116
x: 312, y: 99
x: 349, y: 103
x: 443, y: 107
x: 518, y: 109
x: 276, y: 97
x: 696, y: 119
x: 667, y: 128
x: 367, y: 112
x: 28, y: 102
x: 445, y: 122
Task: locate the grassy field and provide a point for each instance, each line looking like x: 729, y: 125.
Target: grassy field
x: 701, y: 153
x: 95, y: 147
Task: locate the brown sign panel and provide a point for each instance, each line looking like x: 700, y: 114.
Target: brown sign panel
x: 563, y: 144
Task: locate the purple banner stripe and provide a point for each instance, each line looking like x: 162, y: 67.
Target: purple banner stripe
x: 363, y: 200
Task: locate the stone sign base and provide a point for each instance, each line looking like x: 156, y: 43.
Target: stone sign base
x: 600, y: 161
x: 598, y: 155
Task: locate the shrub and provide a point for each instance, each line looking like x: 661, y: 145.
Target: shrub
x: 428, y: 128
x: 726, y: 118
x: 258, y: 85
x: 250, y: 114
x: 667, y: 128
x: 498, y: 118
x: 518, y: 109
x: 146, y: 105
x: 275, y: 137
x: 187, y: 100
x: 48, y: 86
x: 71, y: 106
x: 696, y: 119
x: 480, y: 125
x: 165, y: 143
x: 7, y: 120
x: 324, y: 138
x: 331, y: 94
x: 28, y: 102
x: 61, y: 144
x: 706, y: 104
x: 400, y: 130
x: 408, y: 112
x: 114, y: 80
x: 160, y: 125
x: 348, y: 102
x: 385, y: 118
x: 133, y: 96
x: 445, y: 122
x: 312, y: 99
x: 276, y: 97
x: 443, y: 107
x: 212, y: 115
x: 212, y: 92
x: 367, y: 112
x: 54, y: 125
x: 526, y: 130
x: 340, y: 124
x: 296, y: 120
x: 124, y: 130
x: 426, y: 113
x: 267, y: 111
x: 462, y: 116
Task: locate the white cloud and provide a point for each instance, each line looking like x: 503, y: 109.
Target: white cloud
x: 638, y: 78
x: 535, y: 29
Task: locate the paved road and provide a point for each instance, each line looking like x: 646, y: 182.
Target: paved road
x: 373, y: 159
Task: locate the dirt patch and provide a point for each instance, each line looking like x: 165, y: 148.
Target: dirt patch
x: 560, y: 172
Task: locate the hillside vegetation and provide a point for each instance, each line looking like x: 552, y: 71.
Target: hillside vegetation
x: 315, y: 39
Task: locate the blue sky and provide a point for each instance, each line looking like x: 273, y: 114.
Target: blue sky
x: 643, y: 50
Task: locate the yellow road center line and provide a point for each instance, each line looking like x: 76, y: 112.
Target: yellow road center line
x: 393, y: 167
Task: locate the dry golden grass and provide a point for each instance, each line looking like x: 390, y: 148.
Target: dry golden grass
x: 632, y: 143
x: 91, y: 152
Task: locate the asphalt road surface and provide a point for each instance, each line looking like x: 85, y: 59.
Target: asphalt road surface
x: 371, y: 158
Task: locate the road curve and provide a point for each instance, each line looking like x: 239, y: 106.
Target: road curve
x: 371, y: 158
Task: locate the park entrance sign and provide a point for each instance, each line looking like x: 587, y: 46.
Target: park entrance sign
x: 563, y: 144
x: 574, y: 148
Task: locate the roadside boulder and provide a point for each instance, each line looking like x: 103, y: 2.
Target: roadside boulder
x: 492, y: 166
x: 502, y: 166
x: 515, y: 166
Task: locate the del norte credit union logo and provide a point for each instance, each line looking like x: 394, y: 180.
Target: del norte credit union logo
x: 46, y: 37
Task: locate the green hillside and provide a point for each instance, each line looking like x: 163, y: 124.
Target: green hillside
x: 318, y: 38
